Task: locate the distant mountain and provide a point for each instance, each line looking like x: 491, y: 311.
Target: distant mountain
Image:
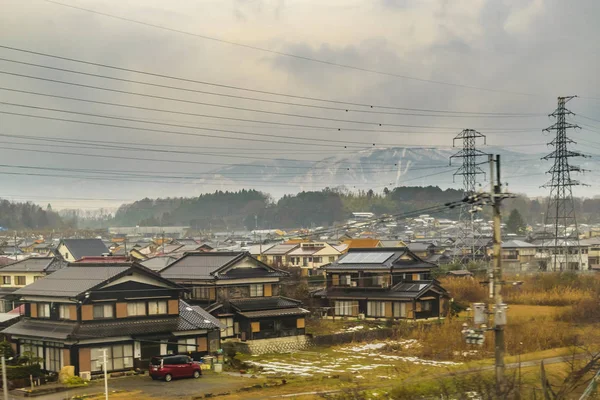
x: 390, y: 167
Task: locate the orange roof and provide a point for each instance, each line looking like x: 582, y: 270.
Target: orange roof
x: 362, y: 243
x: 295, y: 241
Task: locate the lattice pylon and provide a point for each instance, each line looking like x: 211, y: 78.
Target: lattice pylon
x: 561, y: 233
x: 468, y: 244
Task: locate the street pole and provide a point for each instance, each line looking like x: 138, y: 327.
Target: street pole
x: 496, y: 191
x: 105, y: 375
x: 4, y: 380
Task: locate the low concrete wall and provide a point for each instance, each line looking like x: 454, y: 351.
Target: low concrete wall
x: 263, y: 346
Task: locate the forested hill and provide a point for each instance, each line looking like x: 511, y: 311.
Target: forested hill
x: 249, y: 208
x: 27, y: 216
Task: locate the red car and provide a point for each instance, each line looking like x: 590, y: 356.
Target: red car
x: 169, y: 367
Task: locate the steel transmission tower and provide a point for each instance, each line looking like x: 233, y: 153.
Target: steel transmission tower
x: 468, y: 241
x: 561, y: 234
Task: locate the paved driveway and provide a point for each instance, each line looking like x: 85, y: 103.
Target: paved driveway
x: 176, y: 389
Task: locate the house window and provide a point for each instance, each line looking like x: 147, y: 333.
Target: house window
x: 185, y: 346
x: 117, y: 357
x: 345, y: 280
x: 317, y: 259
x: 64, y: 312
x: 20, y: 281
x: 200, y: 293
x: 399, y: 310
x: 103, y: 311
x: 6, y: 279
x: 43, y: 310
x: 375, y: 308
x: 53, y: 355
x: 331, y: 259
x: 35, y: 278
x: 426, y: 305
x: 33, y: 351
x: 136, y: 309
x: 156, y: 307
x: 256, y: 290
x: 228, y: 323
x: 344, y: 307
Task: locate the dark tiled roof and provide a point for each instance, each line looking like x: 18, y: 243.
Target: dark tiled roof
x: 275, y: 313
x: 85, y: 247
x: 200, y: 265
x: 263, y: 303
x: 252, y: 273
x: 158, y: 263
x: 32, y: 264
x: 196, y: 317
x: 280, y: 249
x: 129, y: 327
x: 73, y: 280
x: 48, y: 329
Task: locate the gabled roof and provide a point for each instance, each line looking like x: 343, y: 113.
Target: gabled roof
x: 198, y: 317
x: 76, y: 279
x: 159, y: 263
x: 263, y: 303
x: 380, y: 258
x: 362, y: 243
x: 281, y: 249
x: 35, y: 264
x: 515, y: 244
x: 215, y: 265
x: 85, y: 247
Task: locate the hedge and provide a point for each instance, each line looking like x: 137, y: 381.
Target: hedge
x: 23, y: 371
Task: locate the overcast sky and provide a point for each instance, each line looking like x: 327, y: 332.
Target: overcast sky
x: 511, y: 56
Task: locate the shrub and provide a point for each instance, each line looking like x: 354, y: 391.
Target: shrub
x: 464, y: 290
x: 75, y: 381
x: 23, y: 371
x: 585, y: 311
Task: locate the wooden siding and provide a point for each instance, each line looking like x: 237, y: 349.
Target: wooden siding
x: 121, y: 310
x: 212, y: 293
x: 335, y: 280
x: 87, y: 314
x: 72, y: 314
x: 85, y: 360
x: 66, y: 353
x: 33, y: 311
x: 300, y: 323
x: 202, y: 343
x: 268, y: 290
x: 174, y: 307
x: 388, y: 309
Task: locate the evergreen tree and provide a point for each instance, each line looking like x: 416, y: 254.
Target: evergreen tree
x: 515, y: 223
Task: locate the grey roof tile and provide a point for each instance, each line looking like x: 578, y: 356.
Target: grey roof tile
x: 73, y: 280
x: 263, y: 303
x: 275, y: 313
x: 85, y: 247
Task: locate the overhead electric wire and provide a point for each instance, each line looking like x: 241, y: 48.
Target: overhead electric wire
x: 439, y: 113
x: 295, y: 56
x: 322, y: 142
x: 371, y: 123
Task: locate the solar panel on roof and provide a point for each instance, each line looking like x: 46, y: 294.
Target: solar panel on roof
x: 365, y: 258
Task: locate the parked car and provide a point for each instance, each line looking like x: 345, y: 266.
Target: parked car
x: 169, y: 367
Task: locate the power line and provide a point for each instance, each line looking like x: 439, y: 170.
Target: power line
x: 419, y: 113
x: 280, y: 53
x: 167, y: 111
x: 225, y: 107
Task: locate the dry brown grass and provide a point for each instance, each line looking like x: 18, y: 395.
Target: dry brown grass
x: 543, y: 289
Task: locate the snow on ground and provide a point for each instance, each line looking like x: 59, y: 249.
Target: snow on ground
x: 364, y: 357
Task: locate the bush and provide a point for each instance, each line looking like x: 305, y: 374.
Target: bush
x: 75, y: 381
x: 585, y: 311
x: 6, y: 349
x: 23, y: 371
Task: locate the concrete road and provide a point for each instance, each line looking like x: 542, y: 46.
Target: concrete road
x: 176, y: 389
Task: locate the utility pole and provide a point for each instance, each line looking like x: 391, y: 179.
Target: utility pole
x: 476, y: 336
x: 496, y: 282
x: 4, y: 380
x: 105, y: 374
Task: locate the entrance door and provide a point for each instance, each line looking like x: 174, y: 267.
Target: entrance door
x: 149, y: 350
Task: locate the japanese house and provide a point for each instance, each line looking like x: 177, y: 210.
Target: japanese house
x: 382, y: 283
x: 74, y: 249
x: 74, y: 313
x: 243, y: 292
